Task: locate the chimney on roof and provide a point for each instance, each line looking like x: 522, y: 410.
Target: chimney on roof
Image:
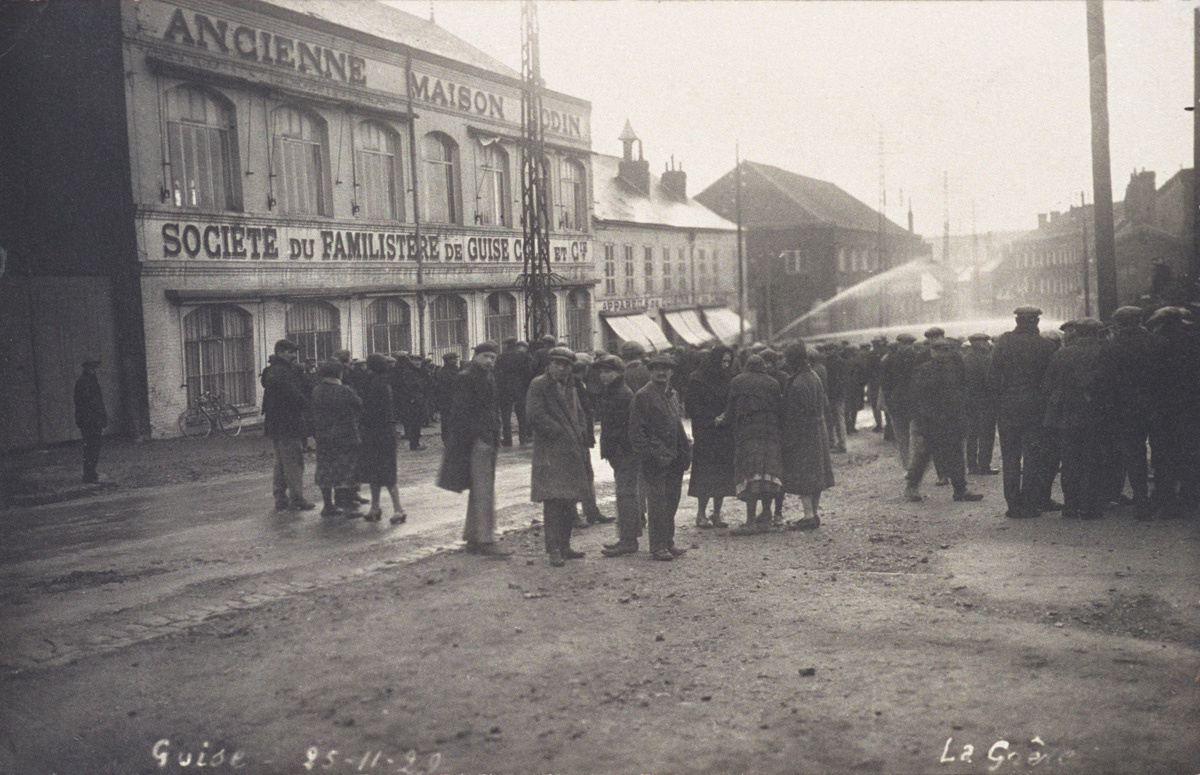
x: 675, y: 181
x: 635, y: 172
x: 1139, y: 197
x: 1043, y: 220
x: 910, y: 220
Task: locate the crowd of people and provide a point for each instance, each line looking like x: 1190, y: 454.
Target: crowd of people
x: 1082, y: 403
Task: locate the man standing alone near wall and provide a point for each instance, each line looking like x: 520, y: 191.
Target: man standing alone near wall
x: 90, y: 417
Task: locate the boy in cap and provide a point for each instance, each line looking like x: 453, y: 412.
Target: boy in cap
x: 664, y: 453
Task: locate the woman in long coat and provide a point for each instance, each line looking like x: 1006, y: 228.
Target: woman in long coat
x: 335, y: 411
x: 754, y: 411
x: 705, y: 397
x: 377, y: 461
x: 807, y: 469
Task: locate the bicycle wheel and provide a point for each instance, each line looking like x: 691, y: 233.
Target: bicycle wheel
x: 230, y: 419
x: 193, y: 423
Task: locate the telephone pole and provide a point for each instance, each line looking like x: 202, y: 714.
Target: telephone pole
x: 1102, y: 200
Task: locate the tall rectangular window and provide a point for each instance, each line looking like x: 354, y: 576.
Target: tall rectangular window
x: 630, y: 281
x: 571, y: 205
x: 610, y: 270
x: 300, y: 163
x: 491, y: 184
x: 440, y: 202
x: 684, y: 279
x: 666, y: 263
x: 379, y: 190
x: 200, y: 151
x: 648, y: 268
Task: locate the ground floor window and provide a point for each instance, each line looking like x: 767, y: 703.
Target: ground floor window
x: 315, y: 327
x: 448, y: 326
x: 579, y: 320
x: 389, y: 326
x: 501, y: 316
x: 218, y: 354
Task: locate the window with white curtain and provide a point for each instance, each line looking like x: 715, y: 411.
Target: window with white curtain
x: 201, y: 150
x: 380, y: 177
x: 300, y: 160
x: 218, y: 354
x: 491, y: 184
x: 440, y: 200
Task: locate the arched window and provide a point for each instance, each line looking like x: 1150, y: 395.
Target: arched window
x: 570, y: 209
x: 440, y: 200
x: 380, y: 178
x: 218, y: 354
x: 501, y: 316
x: 579, y: 320
x: 389, y: 326
x: 448, y: 325
x: 202, y: 150
x: 491, y: 184
x: 300, y: 160
x: 315, y: 327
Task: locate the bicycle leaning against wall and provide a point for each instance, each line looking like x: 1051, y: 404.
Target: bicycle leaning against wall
x: 211, y: 411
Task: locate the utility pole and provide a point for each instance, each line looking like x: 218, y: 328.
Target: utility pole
x: 537, y: 278
x: 1087, y: 275
x: 1195, y: 219
x: 737, y: 198
x: 412, y: 158
x: 1102, y: 201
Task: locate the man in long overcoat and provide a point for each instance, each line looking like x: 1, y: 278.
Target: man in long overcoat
x: 560, y: 475
x: 90, y: 417
x: 1015, y: 373
x: 895, y: 382
x: 664, y: 453
x: 288, y: 423
x: 469, y: 455
x: 616, y: 448
x: 1074, y: 417
x: 939, y: 419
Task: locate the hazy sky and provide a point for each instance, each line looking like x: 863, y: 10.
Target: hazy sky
x: 993, y: 93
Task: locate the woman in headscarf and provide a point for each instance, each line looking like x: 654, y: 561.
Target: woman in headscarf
x: 335, y: 410
x: 753, y: 409
x: 705, y: 397
x: 377, y: 461
x: 807, y: 469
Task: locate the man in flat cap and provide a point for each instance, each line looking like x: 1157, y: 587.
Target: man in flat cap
x: 288, y: 423
x: 560, y: 476
x: 939, y: 402
x: 514, y: 372
x: 1132, y: 363
x: 1073, y: 419
x: 1015, y: 373
x: 896, y: 382
x: 90, y: 417
x: 664, y: 453
x: 616, y: 448
x: 469, y: 456
x: 981, y: 406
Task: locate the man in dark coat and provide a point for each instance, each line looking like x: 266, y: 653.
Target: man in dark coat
x: 616, y: 448
x: 584, y: 378
x: 287, y: 424
x: 90, y: 417
x: 514, y: 372
x: 1175, y: 438
x: 895, y: 381
x: 1074, y: 419
x: 636, y: 373
x: 939, y: 420
x: 560, y: 475
x: 1015, y: 373
x: 664, y: 453
x: 408, y: 391
x: 878, y: 349
x: 981, y: 406
x: 469, y: 454
x: 1131, y: 368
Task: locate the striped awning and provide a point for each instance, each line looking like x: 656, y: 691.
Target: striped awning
x: 639, y: 328
x: 686, y: 323
x: 725, y: 323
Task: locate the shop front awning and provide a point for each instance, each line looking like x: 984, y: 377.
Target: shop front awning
x: 639, y: 328
x: 687, y: 325
x: 725, y: 323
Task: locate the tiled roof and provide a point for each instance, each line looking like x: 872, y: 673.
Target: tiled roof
x: 616, y: 200
x: 384, y: 21
x: 822, y: 201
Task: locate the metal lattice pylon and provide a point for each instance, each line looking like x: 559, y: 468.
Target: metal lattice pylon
x: 536, y: 279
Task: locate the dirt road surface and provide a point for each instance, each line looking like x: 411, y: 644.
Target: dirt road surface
x: 897, y: 638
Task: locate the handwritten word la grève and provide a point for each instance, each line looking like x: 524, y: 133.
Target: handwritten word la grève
x: 1001, y: 753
